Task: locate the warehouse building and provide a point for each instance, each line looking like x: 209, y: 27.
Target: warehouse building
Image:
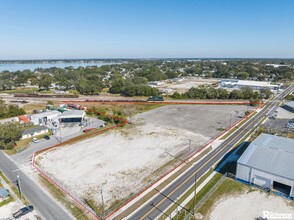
x: 44, y: 117
x: 269, y: 162
x: 72, y: 116
x: 289, y: 106
x: 255, y: 85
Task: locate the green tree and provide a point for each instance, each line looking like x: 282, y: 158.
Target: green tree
x: 9, y: 133
x: 45, y: 81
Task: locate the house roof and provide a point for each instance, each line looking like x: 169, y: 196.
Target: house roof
x: 24, y: 118
x: 271, y: 154
x: 34, y: 130
x: 3, y: 193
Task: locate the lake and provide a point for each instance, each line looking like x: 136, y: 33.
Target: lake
x: 12, y: 67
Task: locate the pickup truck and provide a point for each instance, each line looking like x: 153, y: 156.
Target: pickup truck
x: 23, y: 211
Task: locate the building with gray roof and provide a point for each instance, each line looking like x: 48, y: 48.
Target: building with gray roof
x: 269, y: 162
x: 35, y: 131
x: 289, y: 106
x: 72, y: 116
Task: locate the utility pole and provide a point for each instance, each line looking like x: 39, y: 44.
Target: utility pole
x: 19, y: 185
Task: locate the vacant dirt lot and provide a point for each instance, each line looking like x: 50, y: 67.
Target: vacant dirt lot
x: 185, y: 85
x: 250, y: 206
x: 201, y: 119
x: 127, y: 159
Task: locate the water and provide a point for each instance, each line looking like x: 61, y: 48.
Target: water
x: 12, y: 67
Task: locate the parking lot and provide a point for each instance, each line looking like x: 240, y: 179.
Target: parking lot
x: 278, y: 125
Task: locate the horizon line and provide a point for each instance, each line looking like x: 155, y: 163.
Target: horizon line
x: 151, y: 58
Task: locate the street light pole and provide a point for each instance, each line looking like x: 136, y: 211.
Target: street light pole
x: 19, y: 185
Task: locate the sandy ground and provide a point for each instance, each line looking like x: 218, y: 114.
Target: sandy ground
x: 124, y: 161
x: 7, y: 210
x: 249, y: 206
x: 120, y: 162
x: 185, y: 85
x: 201, y: 119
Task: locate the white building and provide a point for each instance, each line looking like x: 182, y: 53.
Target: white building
x: 44, y: 117
x: 277, y: 65
x: 269, y: 162
x: 32, y: 132
x: 255, y: 85
x: 156, y: 83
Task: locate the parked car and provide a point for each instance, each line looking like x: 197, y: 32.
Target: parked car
x: 35, y: 140
x: 46, y: 137
x: 23, y: 211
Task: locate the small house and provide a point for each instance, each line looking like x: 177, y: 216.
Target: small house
x: 3, y: 194
x: 31, y: 132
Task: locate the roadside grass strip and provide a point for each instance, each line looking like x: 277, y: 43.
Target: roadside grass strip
x: 14, y: 189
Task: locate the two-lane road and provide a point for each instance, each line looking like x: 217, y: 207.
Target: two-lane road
x: 47, y: 207
x: 164, y: 199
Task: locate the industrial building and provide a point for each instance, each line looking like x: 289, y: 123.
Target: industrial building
x: 289, y: 106
x: 44, y: 117
x: 72, y: 116
x: 255, y: 85
x: 268, y: 162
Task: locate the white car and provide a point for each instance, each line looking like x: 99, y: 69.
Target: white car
x: 35, y: 140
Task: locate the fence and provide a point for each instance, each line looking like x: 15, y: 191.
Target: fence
x: 206, y: 196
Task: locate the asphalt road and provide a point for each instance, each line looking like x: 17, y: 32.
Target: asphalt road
x: 164, y: 199
x: 44, y: 205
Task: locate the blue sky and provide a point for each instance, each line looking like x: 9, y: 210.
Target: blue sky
x: 40, y: 29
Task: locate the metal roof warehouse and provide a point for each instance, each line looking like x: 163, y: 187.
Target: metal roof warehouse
x: 72, y: 116
x: 269, y: 162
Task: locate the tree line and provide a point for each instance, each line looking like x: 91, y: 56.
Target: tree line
x: 7, y: 111
x: 210, y: 92
x: 92, y: 80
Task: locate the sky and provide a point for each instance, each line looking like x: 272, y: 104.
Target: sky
x: 58, y: 29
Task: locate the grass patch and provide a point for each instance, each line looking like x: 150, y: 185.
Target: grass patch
x: 76, y: 211
x: 14, y: 189
x: 25, y: 90
x: 228, y: 187
x: 199, y: 195
x: 23, y: 144
x: 221, y: 129
x: 5, y: 202
x: 29, y: 108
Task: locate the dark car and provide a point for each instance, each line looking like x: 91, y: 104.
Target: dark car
x: 46, y: 137
x: 23, y: 211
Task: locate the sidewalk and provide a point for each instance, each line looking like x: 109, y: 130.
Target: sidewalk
x: 11, y: 192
